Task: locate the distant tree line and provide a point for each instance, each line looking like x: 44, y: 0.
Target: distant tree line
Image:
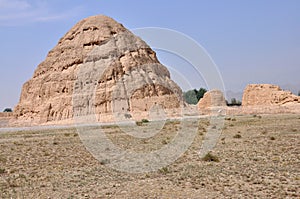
x: 8, y: 110
x: 193, y: 96
x: 234, y: 102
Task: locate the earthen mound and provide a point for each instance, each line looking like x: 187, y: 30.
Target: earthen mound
x: 99, y: 68
x: 267, y: 95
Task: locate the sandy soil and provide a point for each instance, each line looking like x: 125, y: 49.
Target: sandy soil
x: 259, y: 157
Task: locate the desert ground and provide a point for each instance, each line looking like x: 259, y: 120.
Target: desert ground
x: 257, y: 156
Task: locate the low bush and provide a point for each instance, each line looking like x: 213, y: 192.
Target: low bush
x: 210, y: 158
x: 237, y: 136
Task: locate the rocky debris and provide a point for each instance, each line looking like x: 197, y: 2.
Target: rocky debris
x: 266, y: 99
x: 267, y: 95
x: 213, y: 98
x: 97, y: 68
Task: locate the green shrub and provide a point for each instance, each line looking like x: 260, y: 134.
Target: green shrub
x: 164, y: 170
x: 2, y: 170
x: 234, y: 102
x: 104, y: 162
x: 272, y: 138
x: 7, y: 110
x: 210, y: 158
x: 2, y: 159
x: 258, y: 116
x: 164, y: 142
x: 193, y: 96
x: 140, y: 123
x: 145, y: 121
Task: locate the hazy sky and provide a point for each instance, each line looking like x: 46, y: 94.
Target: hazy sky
x: 255, y: 41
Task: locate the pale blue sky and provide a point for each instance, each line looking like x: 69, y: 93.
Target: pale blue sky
x: 255, y: 41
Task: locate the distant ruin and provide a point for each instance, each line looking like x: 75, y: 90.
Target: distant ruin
x: 100, y: 68
x: 267, y: 95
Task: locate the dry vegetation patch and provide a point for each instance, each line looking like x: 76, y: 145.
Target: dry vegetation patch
x: 263, y: 162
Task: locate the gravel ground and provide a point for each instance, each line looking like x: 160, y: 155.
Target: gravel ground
x: 255, y: 157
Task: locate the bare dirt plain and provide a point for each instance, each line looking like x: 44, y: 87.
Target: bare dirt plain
x: 259, y: 157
